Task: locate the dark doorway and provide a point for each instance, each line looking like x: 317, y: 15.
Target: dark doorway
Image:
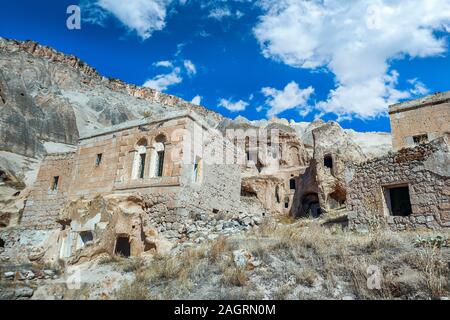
x: 123, y: 246
x: 310, y: 206
x: 398, y: 201
x: 2, y: 243
x: 292, y: 184
x: 328, y: 161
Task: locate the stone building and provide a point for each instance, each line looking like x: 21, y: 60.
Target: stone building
x: 420, y: 121
x: 410, y: 188
x: 125, y: 184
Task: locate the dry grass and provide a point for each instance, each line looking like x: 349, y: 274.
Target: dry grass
x: 218, y: 249
x: 306, y: 277
x: 134, y: 291
x: 234, y: 276
x: 322, y: 262
x: 435, y: 271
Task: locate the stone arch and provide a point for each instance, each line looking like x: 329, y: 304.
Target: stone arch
x: 142, y: 142
x: 140, y: 159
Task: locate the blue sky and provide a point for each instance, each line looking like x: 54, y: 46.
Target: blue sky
x: 294, y: 59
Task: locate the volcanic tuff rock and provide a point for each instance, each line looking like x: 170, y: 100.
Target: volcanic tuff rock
x: 48, y: 96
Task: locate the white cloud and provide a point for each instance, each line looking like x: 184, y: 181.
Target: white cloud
x: 163, y: 81
x: 233, y: 106
x: 165, y: 64
x: 197, y: 100
x: 219, y: 13
x: 357, y: 41
x: 142, y: 16
x: 289, y: 98
x: 190, y: 67
x: 419, y: 89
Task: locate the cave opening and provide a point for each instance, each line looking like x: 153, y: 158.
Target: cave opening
x: 123, y: 246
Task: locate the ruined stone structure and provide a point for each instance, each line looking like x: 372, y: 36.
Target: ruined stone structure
x: 420, y: 121
x: 408, y: 189
x: 174, y: 164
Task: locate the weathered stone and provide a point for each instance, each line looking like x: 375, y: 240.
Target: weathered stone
x: 23, y: 292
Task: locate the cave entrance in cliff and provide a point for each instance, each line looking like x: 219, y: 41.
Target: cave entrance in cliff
x: 310, y: 206
x: 2, y: 243
x: 328, y: 161
x: 338, y: 198
x: 123, y: 246
x: 398, y: 200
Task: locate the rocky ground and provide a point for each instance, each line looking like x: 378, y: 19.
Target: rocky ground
x: 280, y: 259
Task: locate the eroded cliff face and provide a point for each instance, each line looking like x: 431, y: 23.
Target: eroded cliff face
x: 48, y: 96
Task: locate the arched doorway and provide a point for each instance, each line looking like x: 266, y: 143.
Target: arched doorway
x: 123, y: 246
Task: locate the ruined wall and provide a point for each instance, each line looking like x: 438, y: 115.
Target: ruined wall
x: 430, y: 115
x: 276, y: 157
x: 270, y: 191
x: 322, y: 186
x: 216, y: 186
x: 426, y: 171
x: 43, y: 205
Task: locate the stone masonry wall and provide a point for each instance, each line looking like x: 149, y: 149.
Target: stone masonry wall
x: 409, y: 121
x: 43, y: 205
x: 425, y: 169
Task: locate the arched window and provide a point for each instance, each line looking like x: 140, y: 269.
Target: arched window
x: 139, y: 159
x: 157, y: 165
